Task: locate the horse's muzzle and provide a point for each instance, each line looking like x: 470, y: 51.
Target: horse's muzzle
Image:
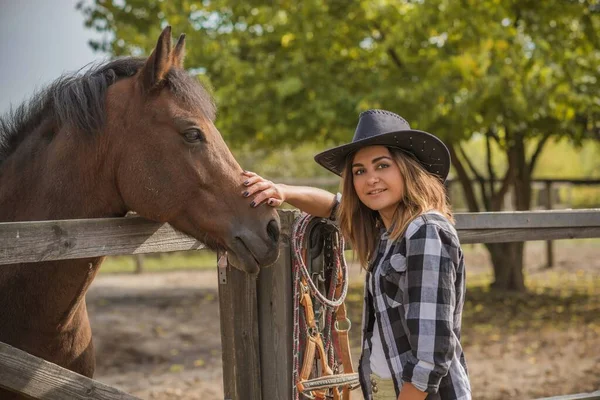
x: 252, y: 250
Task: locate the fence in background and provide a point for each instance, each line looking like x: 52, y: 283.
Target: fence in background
x: 256, y: 311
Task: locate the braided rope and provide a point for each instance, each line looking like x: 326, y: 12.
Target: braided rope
x: 299, y: 230
x: 299, y: 270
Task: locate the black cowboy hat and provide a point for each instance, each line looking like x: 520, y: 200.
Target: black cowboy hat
x: 380, y: 127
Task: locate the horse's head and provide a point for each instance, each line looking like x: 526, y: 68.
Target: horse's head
x: 172, y: 164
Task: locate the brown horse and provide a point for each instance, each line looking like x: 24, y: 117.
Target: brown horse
x: 132, y: 134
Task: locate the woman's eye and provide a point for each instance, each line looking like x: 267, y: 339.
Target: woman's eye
x: 193, y: 136
x: 383, y: 165
x: 358, y: 172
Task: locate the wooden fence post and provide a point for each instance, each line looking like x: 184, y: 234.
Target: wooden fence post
x: 275, y: 314
x: 239, y: 334
x: 549, y: 244
x: 139, y: 263
x: 257, y: 326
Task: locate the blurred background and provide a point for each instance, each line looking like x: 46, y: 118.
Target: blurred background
x: 512, y: 86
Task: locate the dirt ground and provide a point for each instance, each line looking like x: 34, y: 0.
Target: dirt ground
x: 157, y: 337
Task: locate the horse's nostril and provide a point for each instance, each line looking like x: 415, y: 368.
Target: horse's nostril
x: 273, y: 230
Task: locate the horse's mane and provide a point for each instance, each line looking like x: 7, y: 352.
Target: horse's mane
x: 78, y: 100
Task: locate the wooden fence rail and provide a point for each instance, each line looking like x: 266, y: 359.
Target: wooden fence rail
x: 256, y: 311
x: 40, y: 379
x: 80, y: 238
x: 582, y: 396
x: 335, y: 181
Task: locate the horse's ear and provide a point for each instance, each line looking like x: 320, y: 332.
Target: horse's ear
x: 159, y: 62
x: 179, y: 52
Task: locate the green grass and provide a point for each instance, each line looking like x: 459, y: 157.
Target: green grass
x: 179, y: 260
x: 472, y: 248
x: 205, y: 259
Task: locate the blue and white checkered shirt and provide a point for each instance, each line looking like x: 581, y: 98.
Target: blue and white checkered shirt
x: 419, y: 287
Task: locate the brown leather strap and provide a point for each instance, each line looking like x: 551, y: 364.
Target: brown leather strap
x: 336, y: 393
x: 314, y: 344
x: 342, y: 327
x: 314, y: 347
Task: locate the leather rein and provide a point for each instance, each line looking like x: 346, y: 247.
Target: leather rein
x: 321, y: 325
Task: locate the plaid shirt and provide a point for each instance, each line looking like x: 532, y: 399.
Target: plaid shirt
x: 419, y: 291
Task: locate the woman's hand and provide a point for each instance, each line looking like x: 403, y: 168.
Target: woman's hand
x: 262, y: 190
x: 314, y: 201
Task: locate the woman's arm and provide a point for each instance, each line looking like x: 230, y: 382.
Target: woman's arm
x: 431, y: 260
x: 314, y: 201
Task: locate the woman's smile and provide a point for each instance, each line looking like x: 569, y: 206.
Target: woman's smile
x: 377, y: 180
x: 375, y: 192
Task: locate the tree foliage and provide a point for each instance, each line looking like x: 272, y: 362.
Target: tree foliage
x: 515, y: 72
x: 289, y: 71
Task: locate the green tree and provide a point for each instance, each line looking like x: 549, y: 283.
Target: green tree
x: 516, y: 72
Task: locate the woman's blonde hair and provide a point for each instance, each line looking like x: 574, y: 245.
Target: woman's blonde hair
x: 423, y: 191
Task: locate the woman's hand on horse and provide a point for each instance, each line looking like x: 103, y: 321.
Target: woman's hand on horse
x: 263, y: 190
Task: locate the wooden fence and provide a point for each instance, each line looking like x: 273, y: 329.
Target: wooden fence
x: 256, y: 311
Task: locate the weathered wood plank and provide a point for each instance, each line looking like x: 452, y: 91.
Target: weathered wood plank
x: 529, y: 219
x: 521, y: 235
x: 275, y: 316
x: 39, y: 379
x: 66, y: 239
x: 549, y: 245
x: 335, y: 181
x: 580, y: 396
x: 80, y: 238
x: 239, y: 335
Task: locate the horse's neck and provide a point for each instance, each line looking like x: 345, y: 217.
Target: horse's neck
x: 46, y: 297
x: 43, y: 181
x: 66, y: 177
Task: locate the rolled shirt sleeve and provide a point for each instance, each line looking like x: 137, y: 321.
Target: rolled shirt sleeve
x: 429, y: 305
x: 334, y: 208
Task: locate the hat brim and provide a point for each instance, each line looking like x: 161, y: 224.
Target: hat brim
x: 431, y: 152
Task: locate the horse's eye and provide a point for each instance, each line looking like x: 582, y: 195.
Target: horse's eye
x: 193, y: 136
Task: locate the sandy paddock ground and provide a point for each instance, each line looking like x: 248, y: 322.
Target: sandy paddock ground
x: 157, y: 337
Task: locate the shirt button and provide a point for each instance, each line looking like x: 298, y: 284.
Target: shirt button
x: 374, y: 387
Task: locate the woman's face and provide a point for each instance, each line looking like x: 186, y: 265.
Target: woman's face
x: 378, y: 181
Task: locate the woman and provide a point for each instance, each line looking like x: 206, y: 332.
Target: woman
x: 395, y: 212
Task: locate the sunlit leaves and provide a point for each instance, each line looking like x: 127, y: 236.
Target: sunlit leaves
x: 288, y: 71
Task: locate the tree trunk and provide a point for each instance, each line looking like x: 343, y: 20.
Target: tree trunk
x: 464, y: 179
x: 522, y: 198
x: 507, y: 259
